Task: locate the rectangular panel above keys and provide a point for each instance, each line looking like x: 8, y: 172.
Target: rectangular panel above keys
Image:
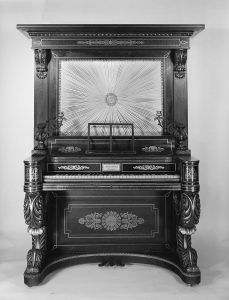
x: 111, y: 167
x: 149, y: 167
x: 73, y: 167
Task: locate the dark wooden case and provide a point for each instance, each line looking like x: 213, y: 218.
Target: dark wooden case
x: 144, y: 207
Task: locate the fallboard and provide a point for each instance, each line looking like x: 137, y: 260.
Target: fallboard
x: 144, y: 146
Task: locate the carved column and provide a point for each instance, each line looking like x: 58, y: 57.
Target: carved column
x: 35, y: 215
x: 187, y: 206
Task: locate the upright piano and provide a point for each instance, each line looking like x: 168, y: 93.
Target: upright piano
x: 111, y: 179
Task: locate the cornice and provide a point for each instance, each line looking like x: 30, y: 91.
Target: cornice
x: 98, y: 30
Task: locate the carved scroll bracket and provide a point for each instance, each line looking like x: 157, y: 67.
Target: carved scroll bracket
x: 41, y: 60
x: 180, y: 58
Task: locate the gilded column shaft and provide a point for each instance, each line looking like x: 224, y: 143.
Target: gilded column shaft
x: 190, y: 176
x: 33, y: 176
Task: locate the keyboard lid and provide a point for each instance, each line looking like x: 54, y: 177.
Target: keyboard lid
x: 101, y: 146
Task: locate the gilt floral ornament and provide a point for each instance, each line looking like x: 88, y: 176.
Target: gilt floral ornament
x: 111, y: 221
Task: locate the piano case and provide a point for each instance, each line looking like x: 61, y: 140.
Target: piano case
x: 111, y: 179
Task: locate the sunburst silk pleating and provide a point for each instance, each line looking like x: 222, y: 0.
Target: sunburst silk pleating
x: 118, y: 91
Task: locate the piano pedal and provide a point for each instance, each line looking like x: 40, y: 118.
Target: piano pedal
x: 110, y: 262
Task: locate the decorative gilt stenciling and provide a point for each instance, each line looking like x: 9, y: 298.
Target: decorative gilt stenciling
x: 33, y: 176
x: 130, y: 221
x: 34, y: 213
x: 32, y: 173
x: 41, y: 62
x: 69, y: 149
x: 111, y: 221
x: 191, y: 173
x: 187, y: 209
x: 180, y: 58
x: 153, y: 149
x: 73, y: 168
x: 183, y: 42
x: 110, y: 42
x: 44, y: 130
x: 148, y: 167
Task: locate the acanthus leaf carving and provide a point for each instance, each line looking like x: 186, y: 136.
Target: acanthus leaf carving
x: 187, y: 255
x: 34, y: 261
x: 187, y: 209
x: 34, y: 213
x: 33, y: 210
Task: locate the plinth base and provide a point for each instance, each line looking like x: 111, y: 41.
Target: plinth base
x: 190, y: 279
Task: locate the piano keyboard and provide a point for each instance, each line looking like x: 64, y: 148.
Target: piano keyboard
x: 83, y: 177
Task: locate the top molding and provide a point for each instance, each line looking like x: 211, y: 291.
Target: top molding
x: 69, y: 36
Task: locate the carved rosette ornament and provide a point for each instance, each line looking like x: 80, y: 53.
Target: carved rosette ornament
x: 34, y: 213
x: 40, y: 56
x: 180, y: 58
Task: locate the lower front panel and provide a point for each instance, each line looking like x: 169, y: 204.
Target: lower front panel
x: 101, y: 221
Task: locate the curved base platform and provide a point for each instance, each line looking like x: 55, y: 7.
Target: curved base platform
x: 120, y: 258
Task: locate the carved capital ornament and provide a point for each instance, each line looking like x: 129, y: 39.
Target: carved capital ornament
x: 180, y: 58
x: 41, y: 63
